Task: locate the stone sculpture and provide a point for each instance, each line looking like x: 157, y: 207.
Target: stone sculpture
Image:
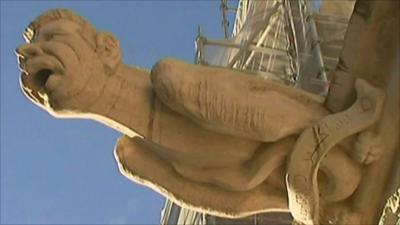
x: 212, y: 139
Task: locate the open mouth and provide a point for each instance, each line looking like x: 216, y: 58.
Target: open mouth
x: 32, y: 94
x: 34, y: 85
x: 41, y: 77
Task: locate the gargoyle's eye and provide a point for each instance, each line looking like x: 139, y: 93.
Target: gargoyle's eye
x: 51, y: 36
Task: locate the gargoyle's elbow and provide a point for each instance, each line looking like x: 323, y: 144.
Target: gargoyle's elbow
x: 160, y: 71
x: 160, y: 79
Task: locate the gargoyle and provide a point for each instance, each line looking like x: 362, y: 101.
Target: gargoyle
x: 209, y: 138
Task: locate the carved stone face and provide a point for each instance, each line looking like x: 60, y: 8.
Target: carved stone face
x: 61, y: 71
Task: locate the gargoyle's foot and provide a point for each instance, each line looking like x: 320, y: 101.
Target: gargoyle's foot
x: 367, y: 148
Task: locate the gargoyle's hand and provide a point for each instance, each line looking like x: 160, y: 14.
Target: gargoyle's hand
x: 234, y: 103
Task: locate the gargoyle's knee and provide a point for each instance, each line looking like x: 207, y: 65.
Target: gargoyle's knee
x: 342, y: 176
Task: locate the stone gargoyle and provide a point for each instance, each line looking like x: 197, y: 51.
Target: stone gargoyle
x: 212, y: 139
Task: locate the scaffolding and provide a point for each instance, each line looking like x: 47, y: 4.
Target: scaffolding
x: 293, y: 42
x: 286, y: 41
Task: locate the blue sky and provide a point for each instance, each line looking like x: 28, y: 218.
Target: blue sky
x: 62, y: 171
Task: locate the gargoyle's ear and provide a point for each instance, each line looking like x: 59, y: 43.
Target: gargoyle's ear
x: 108, y: 51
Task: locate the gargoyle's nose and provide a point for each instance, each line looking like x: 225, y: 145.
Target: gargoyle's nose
x: 28, y: 50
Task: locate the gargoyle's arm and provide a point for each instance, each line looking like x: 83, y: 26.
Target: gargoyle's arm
x: 233, y: 102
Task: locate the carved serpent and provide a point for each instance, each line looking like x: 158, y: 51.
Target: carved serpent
x: 315, y: 142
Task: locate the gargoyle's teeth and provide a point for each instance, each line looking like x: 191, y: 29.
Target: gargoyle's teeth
x: 41, y: 77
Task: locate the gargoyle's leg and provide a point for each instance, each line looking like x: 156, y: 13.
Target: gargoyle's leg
x: 245, y: 176
x: 140, y: 164
x: 339, y: 183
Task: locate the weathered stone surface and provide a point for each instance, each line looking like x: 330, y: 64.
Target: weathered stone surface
x: 210, y: 138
